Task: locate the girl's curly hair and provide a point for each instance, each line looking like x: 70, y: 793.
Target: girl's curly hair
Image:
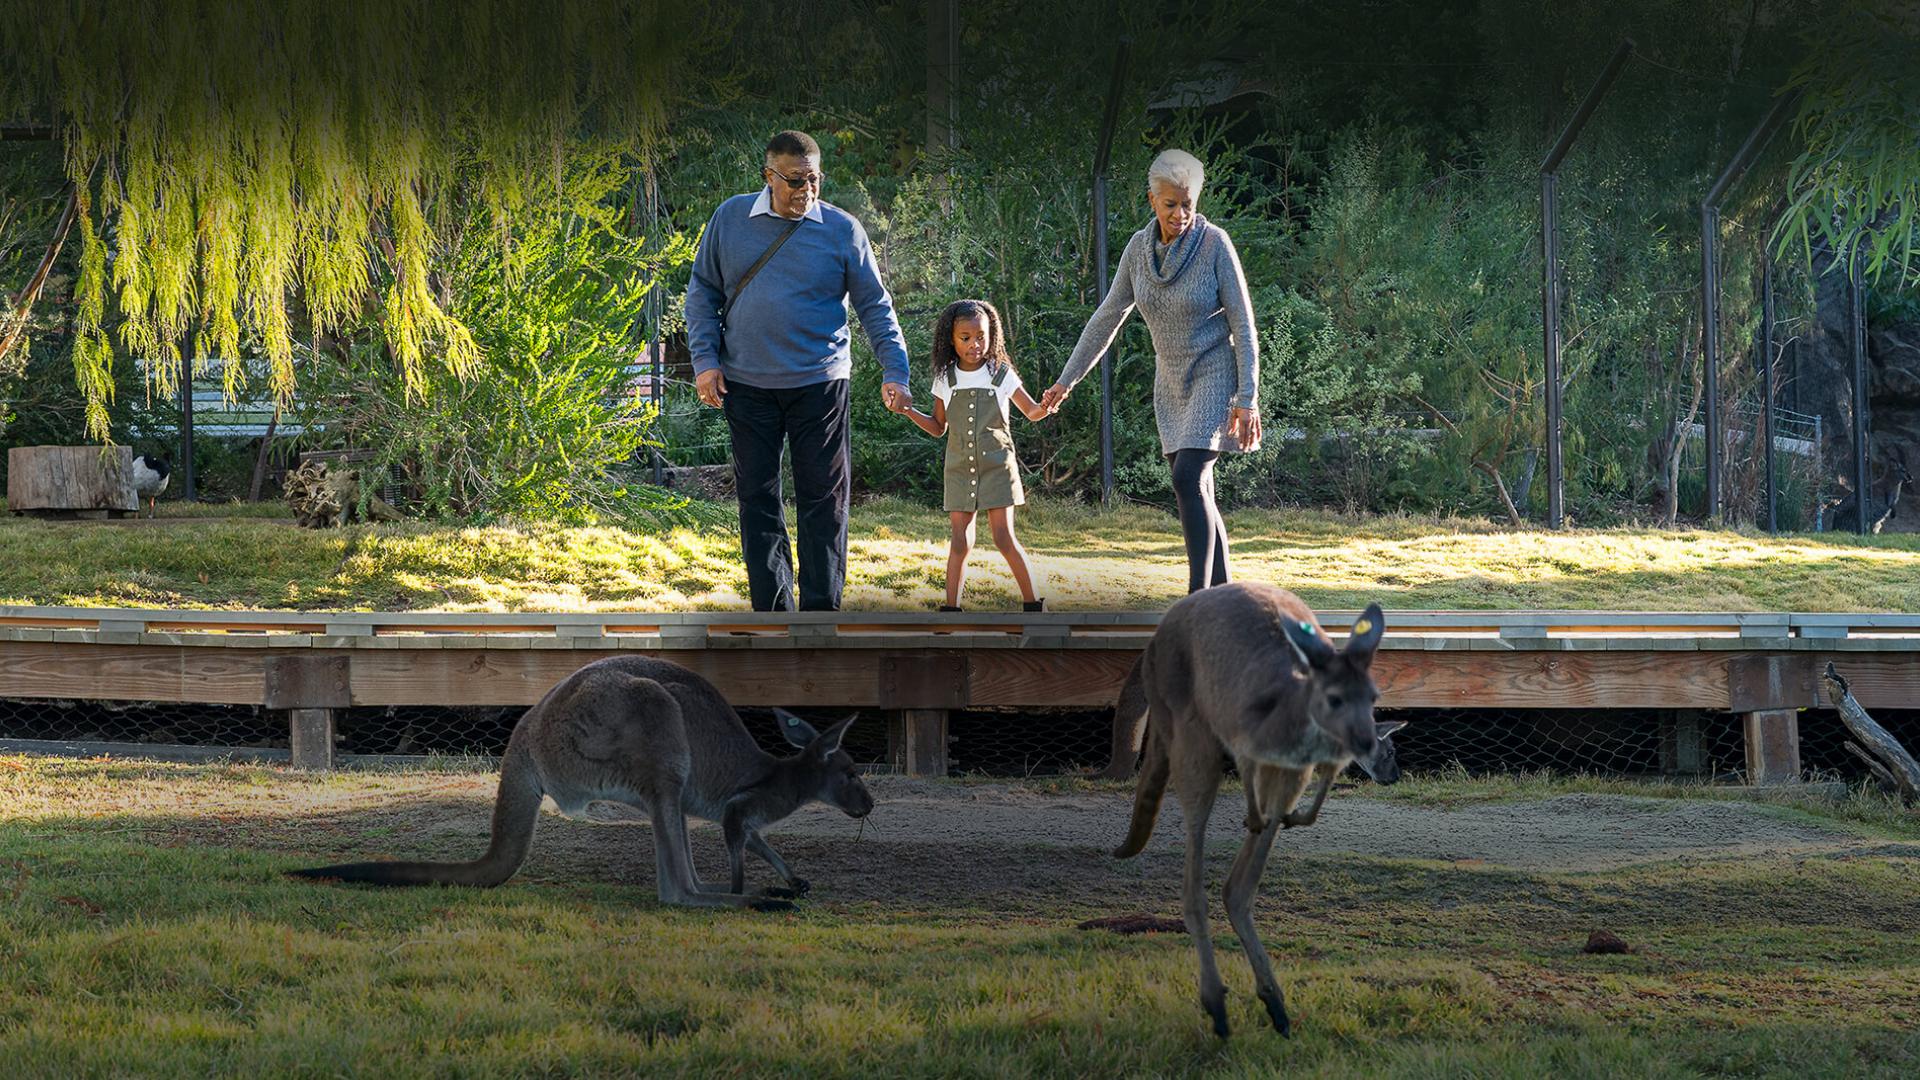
x: 944, y: 360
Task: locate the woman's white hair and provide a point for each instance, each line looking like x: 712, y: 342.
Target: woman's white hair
x: 1177, y: 168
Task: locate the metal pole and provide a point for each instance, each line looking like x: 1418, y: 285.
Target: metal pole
x: 1550, y: 271
x: 1101, y: 153
x: 1710, y: 288
x: 1710, y: 346
x: 186, y: 430
x: 1857, y: 305
x: 1550, y: 305
x: 1766, y: 388
x: 1106, y: 362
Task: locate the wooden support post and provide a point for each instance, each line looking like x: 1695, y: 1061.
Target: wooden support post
x: 917, y: 741
x: 1682, y: 744
x: 1773, y: 746
x: 312, y: 738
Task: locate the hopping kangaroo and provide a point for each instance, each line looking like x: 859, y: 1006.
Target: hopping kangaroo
x: 651, y: 734
x: 1244, y: 672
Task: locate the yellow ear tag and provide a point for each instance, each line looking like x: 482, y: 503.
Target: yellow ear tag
x: 1362, y: 627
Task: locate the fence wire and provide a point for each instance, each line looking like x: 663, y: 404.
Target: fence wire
x: 1022, y: 743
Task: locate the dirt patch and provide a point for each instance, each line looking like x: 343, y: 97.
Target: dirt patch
x: 1566, y: 832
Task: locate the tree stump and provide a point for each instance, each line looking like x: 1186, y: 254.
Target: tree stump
x: 67, y: 481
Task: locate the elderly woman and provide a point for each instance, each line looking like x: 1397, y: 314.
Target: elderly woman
x: 1182, y: 272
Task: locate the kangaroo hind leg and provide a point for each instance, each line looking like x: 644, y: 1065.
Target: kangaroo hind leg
x: 1196, y: 774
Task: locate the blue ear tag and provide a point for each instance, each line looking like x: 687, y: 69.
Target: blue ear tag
x: 793, y: 721
x: 1307, y: 626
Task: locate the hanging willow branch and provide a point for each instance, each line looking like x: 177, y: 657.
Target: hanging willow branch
x: 1855, y: 184
x: 249, y: 153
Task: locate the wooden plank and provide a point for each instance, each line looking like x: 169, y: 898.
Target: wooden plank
x: 178, y: 627
x: 52, y: 669
x: 1551, y: 680
x: 1066, y: 677
x: 789, y: 677
x: 53, y: 622
x: 1879, y: 680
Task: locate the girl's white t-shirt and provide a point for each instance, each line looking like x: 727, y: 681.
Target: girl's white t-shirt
x: 979, y: 377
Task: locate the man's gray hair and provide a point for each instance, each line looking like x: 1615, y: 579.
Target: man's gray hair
x: 1177, y: 168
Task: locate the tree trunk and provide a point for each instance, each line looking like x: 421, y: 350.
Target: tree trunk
x: 23, y: 305
x: 1897, y: 767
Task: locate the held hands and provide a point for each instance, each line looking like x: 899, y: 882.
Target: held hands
x: 1055, y: 397
x: 896, y: 397
x: 711, y: 386
x: 1243, y: 425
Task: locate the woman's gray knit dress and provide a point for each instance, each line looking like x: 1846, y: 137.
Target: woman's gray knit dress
x: 1206, y: 352
x: 1193, y: 297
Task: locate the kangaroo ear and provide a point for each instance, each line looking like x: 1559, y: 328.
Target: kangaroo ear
x: 1366, y: 633
x: 1384, y: 728
x: 796, y: 731
x: 830, y: 742
x: 1307, y: 644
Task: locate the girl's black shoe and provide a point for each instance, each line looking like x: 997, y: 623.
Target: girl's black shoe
x: 949, y: 607
x: 1034, y: 605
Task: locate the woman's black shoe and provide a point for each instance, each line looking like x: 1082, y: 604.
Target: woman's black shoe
x: 949, y: 607
x: 1034, y: 605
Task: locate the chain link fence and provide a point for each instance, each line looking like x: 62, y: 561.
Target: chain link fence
x: 1022, y: 743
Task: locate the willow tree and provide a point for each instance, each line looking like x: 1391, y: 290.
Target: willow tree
x: 1856, y: 180
x: 250, y: 171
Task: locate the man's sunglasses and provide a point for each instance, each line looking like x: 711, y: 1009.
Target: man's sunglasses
x: 797, y: 181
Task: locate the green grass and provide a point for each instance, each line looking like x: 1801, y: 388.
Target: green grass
x: 1130, y: 558
x: 144, y: 929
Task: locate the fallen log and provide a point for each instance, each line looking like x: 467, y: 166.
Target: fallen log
x: 1896, y: 767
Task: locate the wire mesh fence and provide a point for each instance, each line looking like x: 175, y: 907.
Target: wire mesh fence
x: 1018, y: 743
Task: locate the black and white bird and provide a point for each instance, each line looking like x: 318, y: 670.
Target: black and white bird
x: 150, y: 478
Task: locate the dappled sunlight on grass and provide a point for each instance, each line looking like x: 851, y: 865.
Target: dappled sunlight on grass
x: 1084, y: 557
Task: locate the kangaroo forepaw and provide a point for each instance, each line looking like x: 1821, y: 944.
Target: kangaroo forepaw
x: 1295, y: 819
x: 1277, y: 1012
x: 1217, y: 1008
x: 800, y: 886
x: 1254, y: 824
x: 770, y: 903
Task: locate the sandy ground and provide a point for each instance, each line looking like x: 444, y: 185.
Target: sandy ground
x: 1007, y: 848
x: 1568, y: 832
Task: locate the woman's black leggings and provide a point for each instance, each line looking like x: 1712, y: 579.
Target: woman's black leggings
x: 1199, y: 518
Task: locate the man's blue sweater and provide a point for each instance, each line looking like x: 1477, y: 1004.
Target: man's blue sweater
x: 789, y: 327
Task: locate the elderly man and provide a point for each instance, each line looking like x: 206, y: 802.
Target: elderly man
x: 767, y: 326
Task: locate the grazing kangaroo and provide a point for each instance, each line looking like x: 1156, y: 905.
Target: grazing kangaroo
x: 656, y: 736
x: 1243, y: 671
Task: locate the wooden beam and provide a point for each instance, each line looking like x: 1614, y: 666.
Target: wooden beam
x: 42, y: 669
x: 311, y: 737
x: 1773, y: 746
x: 917, y: 741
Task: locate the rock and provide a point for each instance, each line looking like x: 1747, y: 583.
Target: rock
x: 1605, y: 941
x: 713, y: 482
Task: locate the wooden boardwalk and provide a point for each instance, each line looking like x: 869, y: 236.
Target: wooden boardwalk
x: 919, y: 667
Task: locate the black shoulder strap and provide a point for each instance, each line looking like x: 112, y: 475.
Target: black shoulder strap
x: 755, y: 269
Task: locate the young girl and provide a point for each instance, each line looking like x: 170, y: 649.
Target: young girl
x: 972, y: 383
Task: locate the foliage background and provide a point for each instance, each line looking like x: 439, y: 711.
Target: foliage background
x: 466, y: 306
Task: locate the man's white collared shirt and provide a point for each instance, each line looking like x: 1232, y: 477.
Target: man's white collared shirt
x: 763, y: 204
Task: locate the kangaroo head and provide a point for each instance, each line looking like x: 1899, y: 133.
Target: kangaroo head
x: 1384, y: 766
x: 827, y: 769
x: 1340, y: 690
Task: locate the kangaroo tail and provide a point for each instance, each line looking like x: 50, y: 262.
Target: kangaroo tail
x: 1147, y: 794
x: 515, y: 813
x: 1129, y: 722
